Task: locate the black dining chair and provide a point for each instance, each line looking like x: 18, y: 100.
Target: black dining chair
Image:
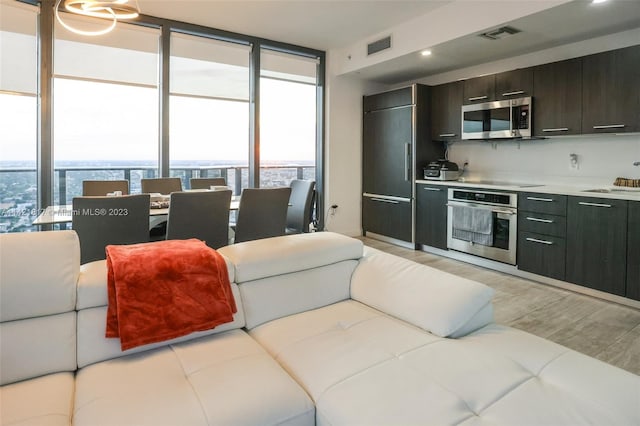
x: 300, y: 211
x: 161, y: 185
x: 206, y: 183
x: 262, y: 213
x: 100, y: 221
x: 201, y: 215
x: 103, y: 187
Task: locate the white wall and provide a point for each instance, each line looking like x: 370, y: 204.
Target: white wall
x: 343, y: 155
x: 601, y: 159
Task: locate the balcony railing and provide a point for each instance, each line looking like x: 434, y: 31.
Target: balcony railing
x: 18, y: 197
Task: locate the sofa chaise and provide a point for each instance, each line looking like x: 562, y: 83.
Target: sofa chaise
x: 327, y: 332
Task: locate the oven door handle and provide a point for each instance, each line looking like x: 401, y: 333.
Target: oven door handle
x: 509, y: 212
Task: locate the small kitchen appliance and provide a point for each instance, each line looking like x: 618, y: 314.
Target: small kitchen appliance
x: 442, y: 170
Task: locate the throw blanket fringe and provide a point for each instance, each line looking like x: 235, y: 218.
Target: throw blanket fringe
x: 167, y: 289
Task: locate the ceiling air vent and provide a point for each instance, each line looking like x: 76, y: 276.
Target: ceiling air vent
x: 499, y: 33
x: 380, y: 45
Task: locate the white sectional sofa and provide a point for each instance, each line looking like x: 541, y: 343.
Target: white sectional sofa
x: 327, y: 332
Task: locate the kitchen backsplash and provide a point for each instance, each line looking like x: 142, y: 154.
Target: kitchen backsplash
x: 600, y: 159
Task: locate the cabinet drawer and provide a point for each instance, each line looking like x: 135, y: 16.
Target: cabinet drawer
x: 542, y: 223
x: 542, y: 254
x: 387, y: 217
x: 543, y: 203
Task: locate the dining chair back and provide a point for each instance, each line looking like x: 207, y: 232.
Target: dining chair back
x: 100, y: 221
x: 299, y: 213
x: 262, y: 213
x: 161, y: 185
x: 201, y: 215
x: 103, y: 187
x: 206, y: 183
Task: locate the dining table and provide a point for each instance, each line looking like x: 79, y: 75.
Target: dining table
x: 158, y: 210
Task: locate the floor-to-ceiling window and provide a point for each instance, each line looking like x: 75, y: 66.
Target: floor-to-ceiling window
x: 18, y: 116
x: 106, y: 110
x: 287, y: 118
x: 152, y: 98
x: 209, y: 109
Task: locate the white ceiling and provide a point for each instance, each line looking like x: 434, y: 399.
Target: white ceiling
x: 330, y: 24
x: 318, y: 24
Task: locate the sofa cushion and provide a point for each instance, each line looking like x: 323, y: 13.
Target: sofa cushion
x: 362, y: 366
x: 280, y: 255
x: 441, y: 303
x: 224, y: 379
x: 45, y: 400
x: 93, y: 346
x: 37, y: 346
x: 38, y: 273
x: 275, y: 297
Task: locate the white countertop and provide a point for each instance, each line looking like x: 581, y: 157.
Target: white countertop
x: 616, y: 192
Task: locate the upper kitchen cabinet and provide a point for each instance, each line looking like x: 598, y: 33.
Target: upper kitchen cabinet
x: 611, y: 91
x: 514, y: 84
x: 558, y: 98
x: 479, y: 89
x: 446, y: 105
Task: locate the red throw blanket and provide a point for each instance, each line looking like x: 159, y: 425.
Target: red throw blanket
x: 167, y: 289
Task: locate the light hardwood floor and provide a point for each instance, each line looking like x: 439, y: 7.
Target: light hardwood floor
x: 598, y: 328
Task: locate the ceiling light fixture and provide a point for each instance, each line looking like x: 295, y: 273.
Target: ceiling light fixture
x: 112, y: 10
x: 598, y: 1
x: 425, y: 53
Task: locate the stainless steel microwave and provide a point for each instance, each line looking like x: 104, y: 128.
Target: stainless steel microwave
x: 510, y: 118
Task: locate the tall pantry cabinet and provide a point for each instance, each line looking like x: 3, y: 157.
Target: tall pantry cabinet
x: 396, y: 146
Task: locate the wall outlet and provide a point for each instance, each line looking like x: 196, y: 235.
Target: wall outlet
x: 573, y: 162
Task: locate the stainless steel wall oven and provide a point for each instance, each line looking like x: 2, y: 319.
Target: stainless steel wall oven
x: 483, y: 223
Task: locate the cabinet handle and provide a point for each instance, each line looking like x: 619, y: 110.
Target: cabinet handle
x: 426, y: 188
x: 559, y: 129
x: 517, y: 92
x: 582, y: 203
x: 609, y: 126
x: 535, y: 240
x: 447, y: 135
x: 407, y: 153
x: 535, y: 219
x: 546, y: 200
x: 478, y: 98
x: 383, y: 200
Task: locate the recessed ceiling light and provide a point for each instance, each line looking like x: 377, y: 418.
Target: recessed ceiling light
x: 598, y: 1
x: 425, y: 53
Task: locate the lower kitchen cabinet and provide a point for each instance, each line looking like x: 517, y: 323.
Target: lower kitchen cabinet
x: 388, y: 217
x: 542, y: 227
x: 542, y: 254
x: 597, y: 243
x: 431, y: 215
x: 633, y: 251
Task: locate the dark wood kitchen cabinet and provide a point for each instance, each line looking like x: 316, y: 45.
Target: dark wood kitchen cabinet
x: 431, y: 215
x: 558, y: 98
x: 479, y: 89
x: 597, y: 243
x: 542, y: 228
x: 387, y: 217
x: 633, y: 251
x: 446, y: 111
x: 396, y: 146
x: 514, y: 84
x: 611, y: 91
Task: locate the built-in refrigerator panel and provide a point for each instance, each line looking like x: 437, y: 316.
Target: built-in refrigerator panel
x: 396, y: 146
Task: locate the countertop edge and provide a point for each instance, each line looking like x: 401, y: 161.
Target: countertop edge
x: 560, y: 189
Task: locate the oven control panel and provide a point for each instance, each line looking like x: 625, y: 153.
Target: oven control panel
x: 482, y: 197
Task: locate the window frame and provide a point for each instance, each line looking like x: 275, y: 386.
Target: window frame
x: 45, y: 76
